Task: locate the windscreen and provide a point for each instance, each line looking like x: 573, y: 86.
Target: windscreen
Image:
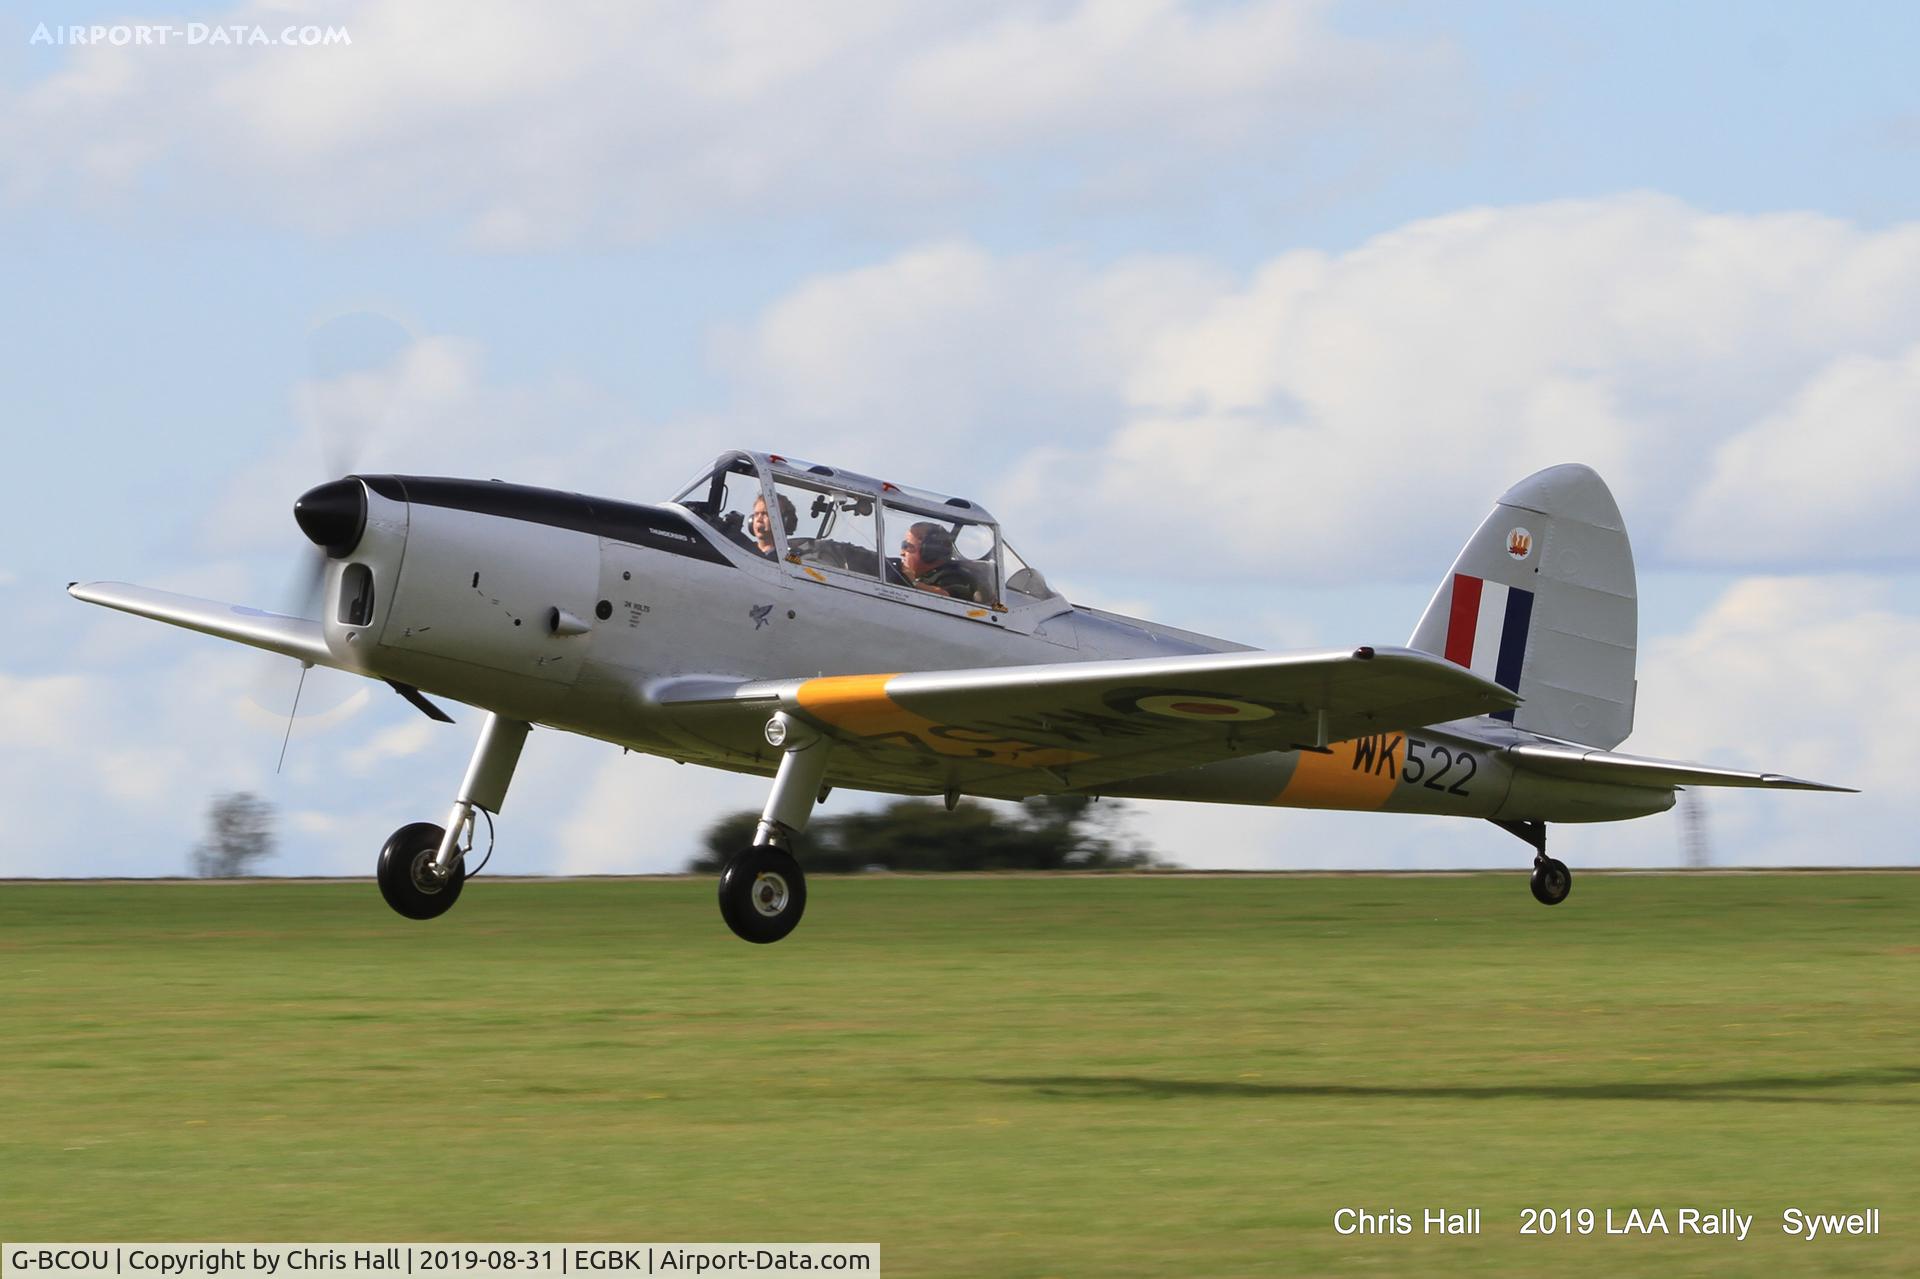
x: 831, y: 528
x: 730, y: 498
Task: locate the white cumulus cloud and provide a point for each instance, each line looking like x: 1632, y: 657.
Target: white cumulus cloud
x: 1837, y: 468
x: 1744, y: 383
x: 546, y: 124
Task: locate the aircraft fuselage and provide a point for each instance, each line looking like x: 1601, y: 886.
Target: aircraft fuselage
x: 575, y: 613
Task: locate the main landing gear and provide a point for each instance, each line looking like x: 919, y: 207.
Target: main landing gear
x: 423, y: 866
x: 763, y: 892
x: 407, y: 876
x: 1551, y: 881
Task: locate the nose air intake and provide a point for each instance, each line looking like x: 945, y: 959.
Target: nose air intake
x: 333, y: 516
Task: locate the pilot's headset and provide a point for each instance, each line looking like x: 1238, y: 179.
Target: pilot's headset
x: 936, y: 543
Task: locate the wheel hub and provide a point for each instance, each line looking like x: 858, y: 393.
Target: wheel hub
x: 426, y: 877
x: 770, y: 893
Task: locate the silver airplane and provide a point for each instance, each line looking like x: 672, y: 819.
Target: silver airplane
x: 825, y: 629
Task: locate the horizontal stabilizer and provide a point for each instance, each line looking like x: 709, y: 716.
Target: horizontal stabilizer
x: 1585, y: 764
x: 295, y: 637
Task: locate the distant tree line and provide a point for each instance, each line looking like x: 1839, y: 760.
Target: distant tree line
x: 239, y: 834
x: 1051, y: 832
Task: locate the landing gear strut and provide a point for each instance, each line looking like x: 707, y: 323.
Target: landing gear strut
x: 421, y: 869
x: 763, y: 892
x: 1551, y: 881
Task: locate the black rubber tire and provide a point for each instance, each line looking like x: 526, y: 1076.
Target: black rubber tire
x: 404, y: 881
x: 763, y: 893
x: 1551, y: 882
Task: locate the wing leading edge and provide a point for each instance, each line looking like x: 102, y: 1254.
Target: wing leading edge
x: 1024, y: 730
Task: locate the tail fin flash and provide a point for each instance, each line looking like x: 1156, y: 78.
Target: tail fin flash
x: 1541, y: 600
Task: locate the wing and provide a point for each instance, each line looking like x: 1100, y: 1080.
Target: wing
x: 1022, y: 730
x: 1586, y: 764
x: 275, y: 632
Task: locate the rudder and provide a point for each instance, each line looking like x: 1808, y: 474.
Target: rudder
x: 1541, y: 600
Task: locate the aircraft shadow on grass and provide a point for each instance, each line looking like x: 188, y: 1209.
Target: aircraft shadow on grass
x: 1764, y: 1088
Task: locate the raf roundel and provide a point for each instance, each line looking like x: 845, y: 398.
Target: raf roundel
x: 1519, y: 543
x: 1215, y: 710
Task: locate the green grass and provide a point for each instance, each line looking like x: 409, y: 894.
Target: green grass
x: 1004, y: 1076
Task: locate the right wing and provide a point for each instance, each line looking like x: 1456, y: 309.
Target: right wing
x: 1024, y: 730
x: 296, y: 637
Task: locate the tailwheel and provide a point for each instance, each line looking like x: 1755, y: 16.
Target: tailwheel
x: 407, y: 878
x: 1552, y: 881
x: 762, y: 893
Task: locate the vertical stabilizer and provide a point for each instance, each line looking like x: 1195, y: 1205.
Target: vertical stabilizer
x: 1541, y: 600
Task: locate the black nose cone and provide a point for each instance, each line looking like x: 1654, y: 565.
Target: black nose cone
x: 333, y: 516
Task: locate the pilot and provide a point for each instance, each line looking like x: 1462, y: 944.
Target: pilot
x: 926, y: 561
x: 760, y: 528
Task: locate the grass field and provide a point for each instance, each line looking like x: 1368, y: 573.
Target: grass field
x: 998, y: 1076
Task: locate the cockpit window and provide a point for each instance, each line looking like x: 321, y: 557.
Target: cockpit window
x: 825, y: 525
x: 941, y: 555
x: 725, y: 497
x: 1023, y: 579
x: 832, y: 528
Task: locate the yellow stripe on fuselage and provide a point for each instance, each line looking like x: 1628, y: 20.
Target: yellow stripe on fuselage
x: 858, y: 705
x: 1357, y: 774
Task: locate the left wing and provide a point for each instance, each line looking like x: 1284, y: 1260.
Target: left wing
x: 1023, y: 730
x: 1590, y: 764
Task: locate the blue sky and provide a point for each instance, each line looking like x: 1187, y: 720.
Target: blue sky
x: 1385, y: 258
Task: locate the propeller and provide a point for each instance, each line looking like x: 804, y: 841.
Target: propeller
x: 302, y: 597
x: 333, y: 516
x: 347, y: 400
x: 348, y: 397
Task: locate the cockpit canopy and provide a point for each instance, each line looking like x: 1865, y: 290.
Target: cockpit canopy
x: 853, y: 530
